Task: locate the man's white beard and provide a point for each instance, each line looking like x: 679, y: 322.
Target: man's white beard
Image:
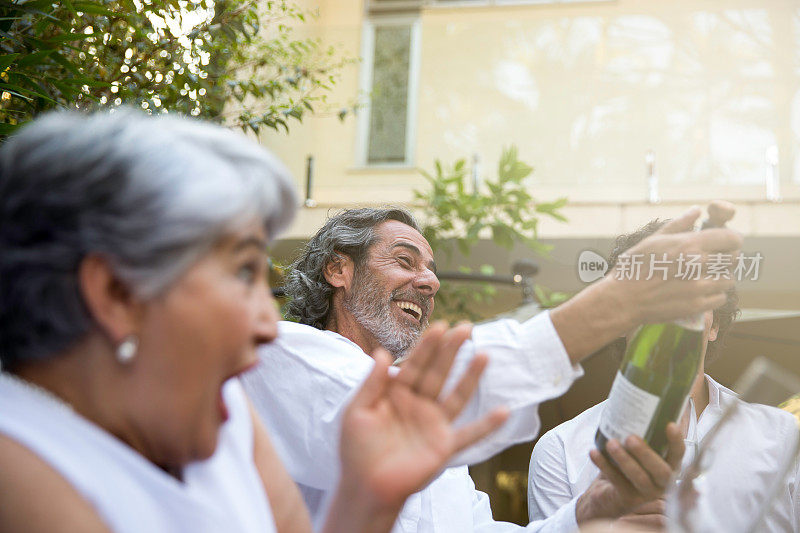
x: 370, y: 305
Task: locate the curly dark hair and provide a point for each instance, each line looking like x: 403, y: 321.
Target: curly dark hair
x: 352, y: 233
x: 723, y: 315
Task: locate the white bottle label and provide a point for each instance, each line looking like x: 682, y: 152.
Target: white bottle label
x: 628, y: 410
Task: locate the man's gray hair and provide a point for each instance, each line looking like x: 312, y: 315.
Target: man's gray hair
x: 351, y: 233
x: 153, y: 195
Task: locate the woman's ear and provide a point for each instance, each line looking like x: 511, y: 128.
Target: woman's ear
x: 110, y: 302
x: 339, y: 271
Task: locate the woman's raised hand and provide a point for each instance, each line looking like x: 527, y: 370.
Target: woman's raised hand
x: 398, y: 433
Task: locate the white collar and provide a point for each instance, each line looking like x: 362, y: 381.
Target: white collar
x: 713, y: 392
x: 339, y: 336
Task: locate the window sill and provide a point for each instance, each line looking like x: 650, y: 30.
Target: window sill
x: 458, y: 4
x: 382, y: 169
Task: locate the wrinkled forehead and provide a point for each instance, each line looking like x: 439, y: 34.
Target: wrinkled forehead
x: 393, y: 232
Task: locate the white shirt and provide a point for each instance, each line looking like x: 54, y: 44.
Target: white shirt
x: 307, y: 376
x: 747, y: 456
x: 129, y: 493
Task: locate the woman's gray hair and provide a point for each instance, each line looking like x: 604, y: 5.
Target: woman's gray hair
x: 153, y: 195
x: 351, y: 233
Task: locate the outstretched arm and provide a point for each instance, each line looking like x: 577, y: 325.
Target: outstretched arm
x: 612, y: 307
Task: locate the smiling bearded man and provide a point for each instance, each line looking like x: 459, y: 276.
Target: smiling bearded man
x: 371, y: 306
x: 394, y: 316
x: 367, y: 279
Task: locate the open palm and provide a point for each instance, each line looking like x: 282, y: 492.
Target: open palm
x: 397, y: 434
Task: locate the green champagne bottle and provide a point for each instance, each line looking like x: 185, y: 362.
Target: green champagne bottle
x: 654, y: 380
x: 653, y: 383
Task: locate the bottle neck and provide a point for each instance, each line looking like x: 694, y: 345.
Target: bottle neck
x: 694, y: 322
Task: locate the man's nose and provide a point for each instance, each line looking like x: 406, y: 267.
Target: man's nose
x: 427, y: 283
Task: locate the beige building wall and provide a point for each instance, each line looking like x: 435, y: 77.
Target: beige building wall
x: 585, y: 91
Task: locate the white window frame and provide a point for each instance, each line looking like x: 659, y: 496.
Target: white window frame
x: 365, y: 88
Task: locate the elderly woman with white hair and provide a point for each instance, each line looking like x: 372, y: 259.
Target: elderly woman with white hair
x: 132, y: 294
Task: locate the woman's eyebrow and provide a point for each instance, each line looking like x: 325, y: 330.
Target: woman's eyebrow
x: 248, y: 242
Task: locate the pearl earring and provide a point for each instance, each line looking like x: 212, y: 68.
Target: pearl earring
x: 126, y: 351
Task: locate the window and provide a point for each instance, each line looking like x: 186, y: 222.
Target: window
x: 389, y: 78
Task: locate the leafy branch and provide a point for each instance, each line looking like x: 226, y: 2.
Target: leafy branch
x: 504, y: 211
x: 193, y: 57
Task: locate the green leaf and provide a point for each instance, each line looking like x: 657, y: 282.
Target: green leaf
x: 61, y: 60
x: 559, y: 297
x: 549, y: 299
x: 80, y: 81
x: 541, y: 295
x: 474, y: 230
x: 551, y: 206
x: 32, y: 6
x: 502, y: 235
x: 530, y: 224
x: 71, y: 8
x: 24, y: 90
x: 13, y: 93
x: 72, y: 37
x: 10, y: 37
x: 487, y: 270
x: 7, y: 59
x: 34, y: 59
x: 96, y: 9
x: 8, y: 129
